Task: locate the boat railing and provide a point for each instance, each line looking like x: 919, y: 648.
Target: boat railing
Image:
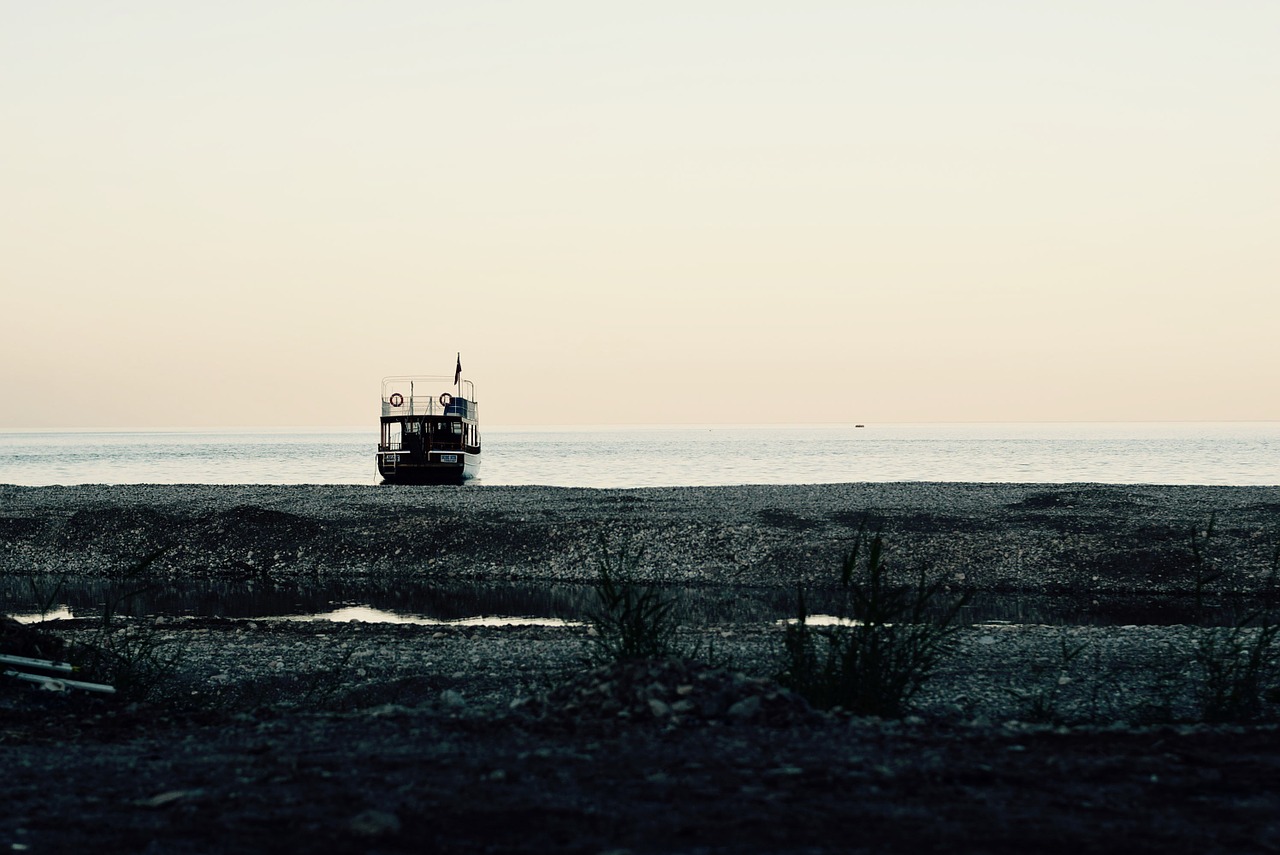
x: 418, y: 406
x: 406, y: 396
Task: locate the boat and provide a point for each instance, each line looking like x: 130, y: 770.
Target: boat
x: 430, y: 432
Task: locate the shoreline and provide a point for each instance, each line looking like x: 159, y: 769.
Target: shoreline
x: 1070, y: 539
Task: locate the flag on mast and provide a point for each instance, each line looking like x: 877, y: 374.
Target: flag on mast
x: 457, y: 373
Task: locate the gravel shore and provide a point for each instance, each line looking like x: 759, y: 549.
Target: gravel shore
x: 996, y: 537
x: 276, y: 735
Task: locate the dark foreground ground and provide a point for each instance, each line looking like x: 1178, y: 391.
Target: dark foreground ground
x: 433, y: 759
x: 403, y: 741
x: 315, y: 737
x: 415, y: 781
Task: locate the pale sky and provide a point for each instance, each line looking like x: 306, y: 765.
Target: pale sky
x: 246, y: 213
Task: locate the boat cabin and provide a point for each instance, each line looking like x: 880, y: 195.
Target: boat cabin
x: 430, y: 431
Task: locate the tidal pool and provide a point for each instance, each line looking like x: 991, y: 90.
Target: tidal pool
x: 530, y: 604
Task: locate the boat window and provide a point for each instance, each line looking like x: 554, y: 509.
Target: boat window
x: 457, y: 428
x: 412, y: 427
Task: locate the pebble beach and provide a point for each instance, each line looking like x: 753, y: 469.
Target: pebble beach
x: 1077, y: 538
x: 457, y: 723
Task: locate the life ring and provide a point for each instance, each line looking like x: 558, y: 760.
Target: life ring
x: 446, y: 399
x: 396, y: 399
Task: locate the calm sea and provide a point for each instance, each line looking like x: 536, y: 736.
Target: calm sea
x: 1235, y: 453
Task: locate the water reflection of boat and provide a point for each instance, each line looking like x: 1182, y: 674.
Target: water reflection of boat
x: 429, y: 436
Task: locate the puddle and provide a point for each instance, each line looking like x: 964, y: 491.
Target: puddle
x: 360, y: 614
x: 822, y: 620
x: 551, y: 605
x: 365, y: 614
x: 61, y: 613
x: 455, y: 604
